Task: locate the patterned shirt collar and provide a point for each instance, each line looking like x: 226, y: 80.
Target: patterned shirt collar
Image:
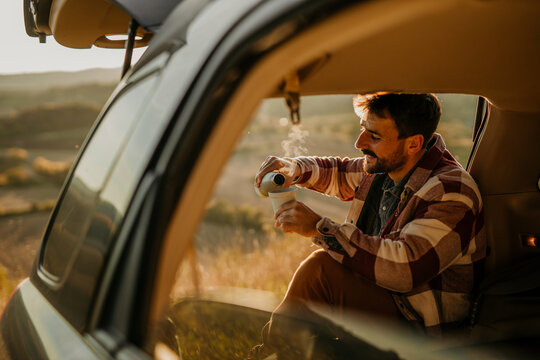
x: 426, y: 165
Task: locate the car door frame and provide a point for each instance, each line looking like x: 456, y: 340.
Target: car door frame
x: 196, y: 116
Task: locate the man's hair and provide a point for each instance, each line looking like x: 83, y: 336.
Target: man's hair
x: 412, y: 113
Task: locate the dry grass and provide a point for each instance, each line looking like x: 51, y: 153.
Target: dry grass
x: 15, y: 176
x: 15, y: 153
x: 7, y: 285
x: 266, y: 267
x: 269, y: 268
x: 19, y: 172
x: 47, y: 167
x: 11, y: 205
x: 213, y: 330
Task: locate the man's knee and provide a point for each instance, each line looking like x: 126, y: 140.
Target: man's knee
x: 311, y: 279
x: 316, y: 261
x: 320, y: 265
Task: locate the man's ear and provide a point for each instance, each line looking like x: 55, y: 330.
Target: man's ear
x: 414, y: 144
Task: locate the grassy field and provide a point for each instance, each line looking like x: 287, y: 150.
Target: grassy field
x: 44, y: 118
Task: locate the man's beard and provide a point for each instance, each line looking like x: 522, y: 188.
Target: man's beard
x: 388, y: 164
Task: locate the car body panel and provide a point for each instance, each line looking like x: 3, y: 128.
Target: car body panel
x: 38, y: 331
x: 75, y: 247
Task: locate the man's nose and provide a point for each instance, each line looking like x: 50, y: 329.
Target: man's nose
x: 360, y: 143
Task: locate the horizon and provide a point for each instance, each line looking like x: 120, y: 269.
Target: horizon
x: 119, y: 68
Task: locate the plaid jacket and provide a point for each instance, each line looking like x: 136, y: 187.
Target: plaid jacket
x: 431, y: 251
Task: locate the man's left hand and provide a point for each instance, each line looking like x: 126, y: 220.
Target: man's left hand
x: 297, y: 217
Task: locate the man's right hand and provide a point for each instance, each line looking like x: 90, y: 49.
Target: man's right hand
x: 288, y: 168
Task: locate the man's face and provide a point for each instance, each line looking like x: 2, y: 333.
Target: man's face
x: 385, y: 153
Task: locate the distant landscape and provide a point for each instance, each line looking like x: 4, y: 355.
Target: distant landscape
x: 44, y: 119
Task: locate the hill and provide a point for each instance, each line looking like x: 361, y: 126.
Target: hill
x: 48, y: 126
x: 94, y: 94
x: 42, y: 81
x: 52, y: 110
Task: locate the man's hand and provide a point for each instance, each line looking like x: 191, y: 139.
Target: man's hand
x: 286, y: 167
x: 296, y: 217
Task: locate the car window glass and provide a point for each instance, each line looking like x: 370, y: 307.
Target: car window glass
x: 74, y: 213
x: 119, y: 189
x: 457, y: 124
x: 239, y: 266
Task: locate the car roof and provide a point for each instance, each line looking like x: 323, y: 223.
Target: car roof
x: 148, y: 14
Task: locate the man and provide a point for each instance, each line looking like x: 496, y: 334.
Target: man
x: 413, y: 242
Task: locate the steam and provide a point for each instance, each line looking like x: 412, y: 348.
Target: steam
x: 295, y: 144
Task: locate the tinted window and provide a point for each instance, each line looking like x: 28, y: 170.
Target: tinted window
x: 127, y: 172
x: 73, y: 216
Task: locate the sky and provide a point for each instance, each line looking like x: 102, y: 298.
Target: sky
x: 20, y: 53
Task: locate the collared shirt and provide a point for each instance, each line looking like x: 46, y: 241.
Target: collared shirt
x: 429, y: 254
x: 391, y: 195
x: 390, y: 198
x: 381, y: 202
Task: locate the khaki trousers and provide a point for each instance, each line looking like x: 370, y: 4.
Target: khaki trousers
x: 320, y: 280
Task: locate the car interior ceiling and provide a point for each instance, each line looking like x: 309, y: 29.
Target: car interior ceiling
x: 451, y: 53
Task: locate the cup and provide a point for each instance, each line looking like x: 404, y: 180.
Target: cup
x: 282, y: 196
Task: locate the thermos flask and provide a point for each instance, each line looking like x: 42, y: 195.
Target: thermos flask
x: 271, y: 181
